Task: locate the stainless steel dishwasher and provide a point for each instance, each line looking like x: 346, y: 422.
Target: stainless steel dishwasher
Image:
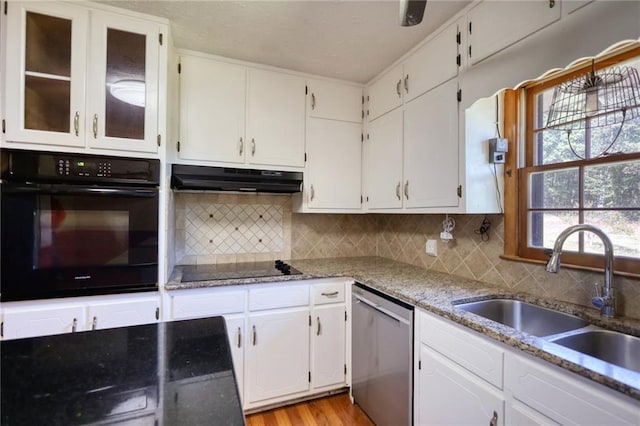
x: 382, y: 356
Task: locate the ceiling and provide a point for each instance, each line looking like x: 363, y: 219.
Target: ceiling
x: 349, y: 39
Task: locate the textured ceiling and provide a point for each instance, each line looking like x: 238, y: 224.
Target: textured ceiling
x: 349, y: 39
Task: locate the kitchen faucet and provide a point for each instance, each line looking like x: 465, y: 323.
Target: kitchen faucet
x: 603, y: 299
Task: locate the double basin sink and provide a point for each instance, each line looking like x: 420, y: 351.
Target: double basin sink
x: 560, y: 328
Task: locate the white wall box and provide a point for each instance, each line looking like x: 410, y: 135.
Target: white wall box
x: 235, y: 114
x: 277, y: 352
x: 57, y: 316
x: 459, y: 378
x: 63, y: 93
x: 496, y: 25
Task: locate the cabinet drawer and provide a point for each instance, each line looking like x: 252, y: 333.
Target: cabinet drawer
x: 564, y: 397
x: 461, y: 346
x: 330, y: 292
x: 282, y: 296
x: 206, y: 302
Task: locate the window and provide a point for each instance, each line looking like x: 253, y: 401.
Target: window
x: 587, y: 175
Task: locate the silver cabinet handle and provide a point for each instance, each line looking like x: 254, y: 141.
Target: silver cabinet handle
x: 406, y: 83
x: 74, y: 327
x: 95, y: 126
x: 552, y: 4
x: 319, y: 327
x: 406, y: 189
x: 333, y: 293
x: 241, y: 146
x: 398, y: 88
x: 398, y: 191
x: 76, y: 123
x: 313, y: 101
x: 494, y: 419
x: 94, y: 323
x: 239, y: 337
x: 313, y: 193
x: 253, y: 146
x: 254, y: 335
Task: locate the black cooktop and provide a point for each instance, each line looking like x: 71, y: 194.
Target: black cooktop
x: 227, y: 271
x: 173, y: 373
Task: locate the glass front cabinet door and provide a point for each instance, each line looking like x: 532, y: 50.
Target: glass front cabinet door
x: 45, y: 71
x: 123, y: 83
x: 81, y: 78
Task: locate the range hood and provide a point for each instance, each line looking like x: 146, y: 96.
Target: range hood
x: 204, y: 178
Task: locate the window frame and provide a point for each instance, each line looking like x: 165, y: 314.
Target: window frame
x: 516, y: 189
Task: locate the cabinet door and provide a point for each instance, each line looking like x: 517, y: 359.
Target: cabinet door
x: 277, y: 356
x: 276, y: 119
x: 328, y: 346
x: 236, y: 333
x: 386, y: 93
x: 212, y: 110
x: 496, y: 25
x: 383, y: 174
x: 19, y: 322
x: 450, y: 395
x: 122, y: 97
x: 334, y: 101
x: 432, y: 64
x: 431, y: 149
x: 122, y: 313
x: 45, y: 77
x: 333, y: 146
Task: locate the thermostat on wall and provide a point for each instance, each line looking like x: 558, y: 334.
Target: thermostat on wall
x: 497, y: 149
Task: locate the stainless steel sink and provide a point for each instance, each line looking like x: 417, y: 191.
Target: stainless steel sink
x: 524, y: 316
x: 610, y: 346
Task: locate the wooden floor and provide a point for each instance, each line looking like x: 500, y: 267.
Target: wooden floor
x: 328, y: 411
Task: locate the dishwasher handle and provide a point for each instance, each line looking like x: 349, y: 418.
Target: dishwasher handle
x: 382, y: 310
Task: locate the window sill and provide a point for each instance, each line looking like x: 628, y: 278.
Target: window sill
x: 567, y: 265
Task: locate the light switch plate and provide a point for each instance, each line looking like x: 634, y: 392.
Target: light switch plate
x: 432, y: 248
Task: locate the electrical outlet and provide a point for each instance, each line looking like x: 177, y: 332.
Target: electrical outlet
x: 432, y: 248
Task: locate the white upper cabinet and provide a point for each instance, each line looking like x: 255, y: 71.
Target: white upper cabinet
x: 122, y: 94
x: 386, y: 93
x: 494, y: 25
x: 431, y: 149
x: 384, y: 162
x: 275, y: 119
x: 333, y: 173
x: 434, y: 63
x: 45, y: 86
x: 334, y: 101
x: 81, y: 78
x: 212, y: 110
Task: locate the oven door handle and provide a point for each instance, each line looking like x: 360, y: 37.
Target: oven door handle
x: 57, y: 189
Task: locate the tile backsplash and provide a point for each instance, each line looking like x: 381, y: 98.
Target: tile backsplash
x: 206, y: 233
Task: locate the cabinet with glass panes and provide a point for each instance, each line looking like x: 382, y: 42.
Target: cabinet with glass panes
x: 78, y: 77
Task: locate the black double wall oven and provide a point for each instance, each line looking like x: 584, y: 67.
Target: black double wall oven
x: 76, y: 224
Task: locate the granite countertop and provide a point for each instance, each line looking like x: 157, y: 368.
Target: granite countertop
x: 170, y: 373
x: 438, y: 293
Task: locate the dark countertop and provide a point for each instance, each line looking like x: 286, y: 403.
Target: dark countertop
x: 173, y: 373
x: 439, y: 293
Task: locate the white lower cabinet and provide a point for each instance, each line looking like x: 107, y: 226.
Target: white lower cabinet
x: 288, y: 340
x: 277, y: 357
x: 47, y: 317
x: 455, y: 384
x: 451, y: 396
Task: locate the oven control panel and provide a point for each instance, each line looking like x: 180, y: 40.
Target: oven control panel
x: 83, y: 168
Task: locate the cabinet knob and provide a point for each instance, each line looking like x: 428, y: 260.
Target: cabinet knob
x: 398, y: 191
x: 406, y: 189
x: 94, y: 323
x: 313, y: 193
x: 253, y: 146
x: 319, y: 327
x: 398, y: 88
x: 239, y: 337
x: 494, y: 419
x: 406, y: 83
x: 552, y: 4
x: 254, y: 335
x: 241, y: 146
x: 74, y: 327
x: 313, y: 101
